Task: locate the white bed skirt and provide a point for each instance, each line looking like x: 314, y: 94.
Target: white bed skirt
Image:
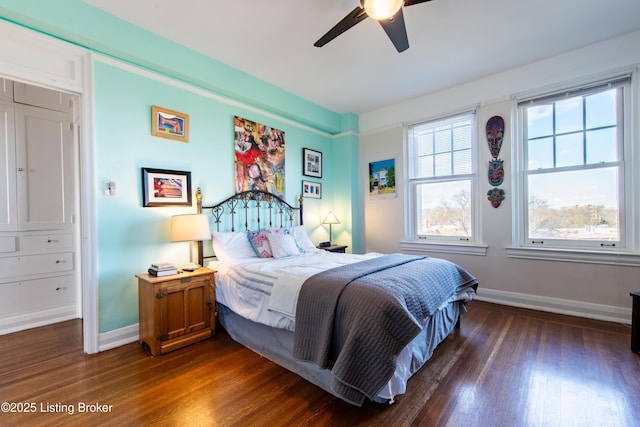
x: 277, y: 346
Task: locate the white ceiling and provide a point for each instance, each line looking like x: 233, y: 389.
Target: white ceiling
x: 451, y: 41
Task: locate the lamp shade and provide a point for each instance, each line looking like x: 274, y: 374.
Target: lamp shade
x: 189, y: 227
x: 331, y: 219
x: 381, y: 9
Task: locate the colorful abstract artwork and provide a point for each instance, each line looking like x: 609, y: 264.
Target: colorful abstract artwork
x: 259, y: 157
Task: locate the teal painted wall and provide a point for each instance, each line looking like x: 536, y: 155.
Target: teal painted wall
x: 130, y: 236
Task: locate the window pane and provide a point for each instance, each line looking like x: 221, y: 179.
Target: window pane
x: 443, y: 164
x: 443, y: 140
x: 444, y: 209
x: 601, y: 109
x: 574, y: 205
x: 569, y: 150
x: 539, y: 121
x: 540, y: 153
x: 569, y: 115
x: 424, y: 145
x: 462, y: 162
x: 462, y: 137
x: 602, y: 145
x: 425, y: 167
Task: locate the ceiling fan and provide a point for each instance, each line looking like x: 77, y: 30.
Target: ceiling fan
x: 387, y: 12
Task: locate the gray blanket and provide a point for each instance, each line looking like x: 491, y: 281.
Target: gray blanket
x: 356, y: 319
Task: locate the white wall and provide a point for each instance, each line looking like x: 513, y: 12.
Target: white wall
x: 591, y: 290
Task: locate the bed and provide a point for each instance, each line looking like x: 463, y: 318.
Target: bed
x: 356, y: 325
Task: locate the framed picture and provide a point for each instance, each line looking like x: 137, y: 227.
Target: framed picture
x: 311, y: 163
x: 312, y: 190
x: 382, y: 179
x: 162, y: 187
x: 169, y: 124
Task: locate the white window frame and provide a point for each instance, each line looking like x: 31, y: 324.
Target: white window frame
x: 627, y: 252
x: 442, y: 244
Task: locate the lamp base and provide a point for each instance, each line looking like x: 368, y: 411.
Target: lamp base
x: 192, y: 266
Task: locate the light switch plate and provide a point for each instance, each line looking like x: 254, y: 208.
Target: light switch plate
x: 109, y: 188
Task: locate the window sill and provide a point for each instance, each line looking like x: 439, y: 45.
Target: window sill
x: 440, y: 247
x: 574, y: 255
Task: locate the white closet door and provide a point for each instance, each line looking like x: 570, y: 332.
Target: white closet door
x: 8, y: 218
x: 45, y: 162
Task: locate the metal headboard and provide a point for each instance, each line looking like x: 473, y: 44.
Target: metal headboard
x: 253, y: 209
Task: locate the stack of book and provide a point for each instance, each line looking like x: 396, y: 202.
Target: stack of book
x: 162, y: 269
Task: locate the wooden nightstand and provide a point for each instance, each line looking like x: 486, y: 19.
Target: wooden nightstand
x: 176, y: 310
x: 333, y: 248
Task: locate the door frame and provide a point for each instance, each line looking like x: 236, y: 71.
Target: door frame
x: 41, y: 60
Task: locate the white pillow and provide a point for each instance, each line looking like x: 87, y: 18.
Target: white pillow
x: 282, y: 245
x: 302, y: 239
x: 231, y: 246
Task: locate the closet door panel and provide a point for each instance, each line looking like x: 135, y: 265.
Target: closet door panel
x: 8, y: 219
x: 44, y: 141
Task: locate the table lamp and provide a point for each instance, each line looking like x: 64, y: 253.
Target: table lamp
x: 330, y: 219
x: 190, y: 228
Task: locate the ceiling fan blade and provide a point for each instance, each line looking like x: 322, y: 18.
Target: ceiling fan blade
x: 358, y: 14
x: 412, y: 2
x: 396, y: 30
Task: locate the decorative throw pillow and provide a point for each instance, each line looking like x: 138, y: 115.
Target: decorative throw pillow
x: 282, y: 245
x: 259, y: 242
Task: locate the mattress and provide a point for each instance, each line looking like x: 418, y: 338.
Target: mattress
x: 246, y: 286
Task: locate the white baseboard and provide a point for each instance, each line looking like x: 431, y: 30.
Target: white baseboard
x: 557, y: 305
x: 129, y: 334
x: 37, y: 319
x: 118, y: 337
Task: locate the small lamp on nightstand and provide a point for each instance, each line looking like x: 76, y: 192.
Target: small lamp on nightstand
x: 330, y: 219
x: 190, y: 228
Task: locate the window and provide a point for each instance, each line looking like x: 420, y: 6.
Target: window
x: 572, y: 161
x: 442, y: 180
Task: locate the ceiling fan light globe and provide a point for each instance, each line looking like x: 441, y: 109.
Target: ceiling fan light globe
x: 381, y: 9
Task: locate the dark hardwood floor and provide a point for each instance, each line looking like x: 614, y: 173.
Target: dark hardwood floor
x: 504, y: 367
